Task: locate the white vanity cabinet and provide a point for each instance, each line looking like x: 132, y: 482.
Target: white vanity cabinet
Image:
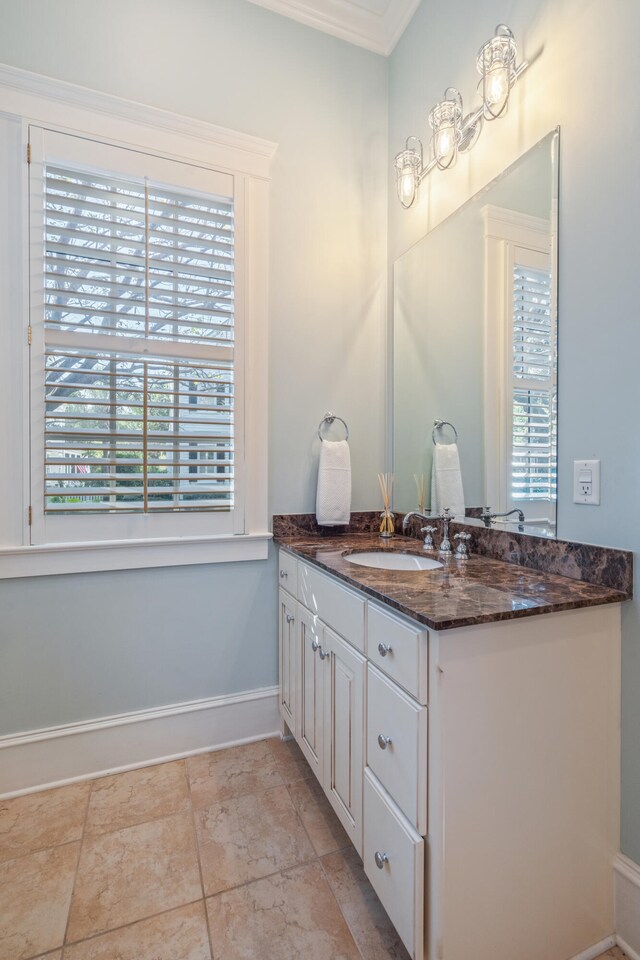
x: 322, y: 685
x: 476, y: 769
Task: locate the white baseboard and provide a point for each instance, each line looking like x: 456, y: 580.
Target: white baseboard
x: 592, y: 953
x: 41, y: 759
x: 627, y: 905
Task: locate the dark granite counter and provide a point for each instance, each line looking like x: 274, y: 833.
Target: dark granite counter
x: 460, y: 594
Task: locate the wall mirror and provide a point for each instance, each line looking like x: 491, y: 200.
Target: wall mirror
x: 475, y: 344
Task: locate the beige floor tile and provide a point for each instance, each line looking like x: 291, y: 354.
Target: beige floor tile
x: 136, y: 796
x: 325, y: 830
x: 40, y: 820
x: 249, y: 837
x: 615, y: 953
x: 232, y: 773
x: 132, y: 874
x: 370, y: 926
x: 290, y: 760
x: 178, y: 935
x: 56, y: 955
x: 35, y: 892
x: 290, y: 915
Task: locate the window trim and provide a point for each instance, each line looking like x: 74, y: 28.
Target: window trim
x: 31, y: 99
x: 504, y: 231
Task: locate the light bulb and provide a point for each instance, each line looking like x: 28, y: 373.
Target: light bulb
x: 498, y: 85
x: 407, y: 185
x: 444, y: 142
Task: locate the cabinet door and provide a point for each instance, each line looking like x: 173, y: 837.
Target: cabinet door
x: 344, y: 731
x: 287, y: 657
x: 311, y: 695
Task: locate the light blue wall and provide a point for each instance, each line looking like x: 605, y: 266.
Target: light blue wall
x: 584, y: 79
x: 84, y: 646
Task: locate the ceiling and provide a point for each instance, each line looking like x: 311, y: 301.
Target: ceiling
x: 374, y: 24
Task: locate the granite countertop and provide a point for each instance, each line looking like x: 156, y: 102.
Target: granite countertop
x: 459, y: 594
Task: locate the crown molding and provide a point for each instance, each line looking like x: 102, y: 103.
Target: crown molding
x: 27, y: 94
x: 349, y: 21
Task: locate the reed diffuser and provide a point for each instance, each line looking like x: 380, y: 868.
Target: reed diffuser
x: 386, y: 488
x: 421, y: 487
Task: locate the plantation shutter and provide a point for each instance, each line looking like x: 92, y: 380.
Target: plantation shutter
x: 139, y: 346
x: 534, y: 391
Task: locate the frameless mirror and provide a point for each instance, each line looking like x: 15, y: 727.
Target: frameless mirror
x: 475, y: 345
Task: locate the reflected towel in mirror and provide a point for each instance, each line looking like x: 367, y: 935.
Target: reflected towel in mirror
x: 446, y: 480
x: 333, y: 502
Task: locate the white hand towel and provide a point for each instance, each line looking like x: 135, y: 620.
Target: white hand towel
x: 333, y: 503
x: 446, y: 480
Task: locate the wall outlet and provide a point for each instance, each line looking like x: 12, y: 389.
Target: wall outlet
x: 586, y: 482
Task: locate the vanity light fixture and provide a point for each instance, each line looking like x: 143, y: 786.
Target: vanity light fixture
x: 452, y: 131
x: 497, y: 66
x: 445, y: 120
x: 409, y: 166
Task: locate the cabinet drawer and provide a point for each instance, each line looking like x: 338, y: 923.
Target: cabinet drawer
x: 399, y: 650
x: 397, y: 875
x: 336, y: 606
x: 397, y: 746
x: 288, y: 572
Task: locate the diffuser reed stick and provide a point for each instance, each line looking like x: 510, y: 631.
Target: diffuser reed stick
x: 421, y: 487
x: 386, y: 489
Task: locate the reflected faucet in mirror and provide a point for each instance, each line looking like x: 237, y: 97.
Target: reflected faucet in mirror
x: 488, y: 517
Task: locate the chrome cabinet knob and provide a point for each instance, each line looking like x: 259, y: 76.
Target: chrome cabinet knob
x: 315, y: 645
x: 283, y: 574
x: 383, y: 649
x: 383, y: 742
x: 290, y: 618
x: 323, y: 653
x: 380, y: 859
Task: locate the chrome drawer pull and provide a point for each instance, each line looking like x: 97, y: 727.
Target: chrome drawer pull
x: 323, y: 653
x: 383, y: 649
x: 283, y: 574
x: 290, y: 618
x: 315, y: 645
x: 380, y: 859
x: 383, y: 742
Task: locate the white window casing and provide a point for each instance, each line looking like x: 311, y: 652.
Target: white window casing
x: 520, y: 365
x: 143, y: 346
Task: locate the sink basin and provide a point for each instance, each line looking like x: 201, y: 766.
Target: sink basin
x: 393, y: 561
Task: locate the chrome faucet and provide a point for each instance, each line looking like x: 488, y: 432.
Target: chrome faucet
x: 413, y: 513
x: 445, y: 545
x: 487, y: 516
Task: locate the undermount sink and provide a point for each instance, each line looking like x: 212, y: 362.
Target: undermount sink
x: 382, y: 560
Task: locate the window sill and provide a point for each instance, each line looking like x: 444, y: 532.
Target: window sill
x: 48, y: 559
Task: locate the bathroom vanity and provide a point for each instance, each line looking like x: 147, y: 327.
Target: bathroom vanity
x: 464, y: 725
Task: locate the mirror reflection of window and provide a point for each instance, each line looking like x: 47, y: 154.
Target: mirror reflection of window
x: 533, y: 466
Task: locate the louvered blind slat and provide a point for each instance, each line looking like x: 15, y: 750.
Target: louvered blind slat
x: 534, y: 442
x: 118, y: 251
x: 137, y: 432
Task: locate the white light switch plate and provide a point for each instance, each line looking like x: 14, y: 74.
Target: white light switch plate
x: 586, y: 481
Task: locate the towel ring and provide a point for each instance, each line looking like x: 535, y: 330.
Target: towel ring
x: 438, y: 424
x: 329, y: 418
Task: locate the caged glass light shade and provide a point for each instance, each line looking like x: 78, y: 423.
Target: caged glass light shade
x: 496, y: 64
x: 445, y: 121
x: 408, y: 166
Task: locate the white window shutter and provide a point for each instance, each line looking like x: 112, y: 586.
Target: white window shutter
x: 534, y: 393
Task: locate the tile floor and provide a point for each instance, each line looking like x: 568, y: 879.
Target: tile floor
x: 234, y: 855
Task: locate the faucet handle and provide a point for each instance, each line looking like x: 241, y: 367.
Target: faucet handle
x: 428, y: 540
x: 462, y: 550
